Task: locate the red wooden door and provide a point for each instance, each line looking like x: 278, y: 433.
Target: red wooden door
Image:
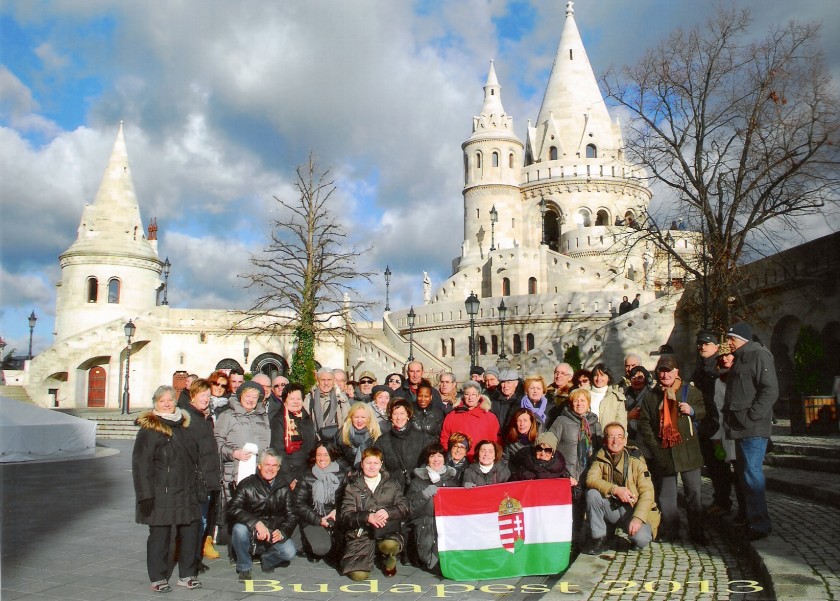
x: 96, y: 387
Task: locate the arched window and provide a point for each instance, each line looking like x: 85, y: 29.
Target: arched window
x: 510, y: 160
x: 478, y: 160
x: 582, y: 217
x: 591, y: 151
x: 495, y: 159
x: 443, y: 347
x: 529, y: 342
x: 517, y: 344
x: 532, y: 285
x: 602, y: 218
x: 505, y: 287
x: 482, y: 345
x: 552, y: 153
x: 113, y: 291
x: 494, y: 344
x: 452, y: 347
x: 92, y: 290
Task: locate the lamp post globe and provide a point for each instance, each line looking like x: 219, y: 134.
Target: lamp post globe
x: 129, y: 329
x: 410, y: 318
x: 32, y: 320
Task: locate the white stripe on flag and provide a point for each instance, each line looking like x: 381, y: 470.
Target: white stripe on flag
x: 546, y: 524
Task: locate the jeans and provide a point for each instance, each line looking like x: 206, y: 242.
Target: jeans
x: 278, y: 552
x: 749, y: 459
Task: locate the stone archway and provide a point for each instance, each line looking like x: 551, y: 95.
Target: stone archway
x: 228, y: 364
x: 782, y: 344
x: 97, y: 388
x: 270, y: 364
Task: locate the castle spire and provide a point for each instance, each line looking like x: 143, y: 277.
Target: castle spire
x: 492, y: 94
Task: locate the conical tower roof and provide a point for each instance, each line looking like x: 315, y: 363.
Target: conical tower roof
x: 493, y: 121
x: 572, y: 98
x: 112, y: 224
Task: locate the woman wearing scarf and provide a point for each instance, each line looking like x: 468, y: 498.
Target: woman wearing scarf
x: 293, y: 434
x: 634, y: 396
x: 456, y: 456
x: 219, y: 392
x: 424, y: 485
x: 402, y: 444
x: 380, y: 399
x: 606, y: 399
x: 488, y: 467
x: 471, y: 416
x: 668, y: 426
x: 521, y: 433
x: 534, y: 399
x: 165, y: 466
x: 359, y: 431
x: 578, y: 433
x: 316, y: 498
x: 542, y: 462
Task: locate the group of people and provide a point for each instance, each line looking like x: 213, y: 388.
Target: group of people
x: 347, y: 471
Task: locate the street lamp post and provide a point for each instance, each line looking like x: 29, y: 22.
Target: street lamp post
x: 32, y: 320
x: 246, y: 348
x: 502, y: 314
x: 669, y: 240
x: 411, y: 317
x: 166, y: 267
x: 494, y: 217
x: 387, y: 287
x: 543, y: 209
x: 129, y: 329
x: 2, y: 347
x: 472, y: 303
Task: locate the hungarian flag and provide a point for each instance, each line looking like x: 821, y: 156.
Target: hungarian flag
x: 504, y: 530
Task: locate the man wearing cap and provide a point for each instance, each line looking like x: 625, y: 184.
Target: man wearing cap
x: 366, y: 383
x: 620, y: 491
x: 477, y: 374
x: 507, y: 398
x: 706, y: 375
x: 668, y: 428
x: 751, y: 390
x: 491, y: 379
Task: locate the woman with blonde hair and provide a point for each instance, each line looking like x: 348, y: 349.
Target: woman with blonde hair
x: 358, y: 432
x: 534, y: 398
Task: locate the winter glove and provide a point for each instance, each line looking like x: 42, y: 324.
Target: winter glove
x: 430, y: 491
x: 469, y: 484
x: 146, y: 507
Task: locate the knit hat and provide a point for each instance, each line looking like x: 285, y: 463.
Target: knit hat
x: 724, y: 349
x: 508, y: 375
x: 706, y: 336
x: 492, y: 371
x: 476, y: 371
x: 250, y: 384
x: 381, y: 388
x: 546, y: 439
x: 740, y: 330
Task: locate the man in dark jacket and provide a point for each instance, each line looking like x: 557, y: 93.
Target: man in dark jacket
x: 261, y: 512
x: 413, y: 379
x: 751, y: 390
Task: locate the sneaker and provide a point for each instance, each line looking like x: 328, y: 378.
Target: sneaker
x: 189, y: 583
x: 161, y: 586
x: 244, y: 575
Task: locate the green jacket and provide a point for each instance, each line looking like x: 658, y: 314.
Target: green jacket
x: 685, y: 456
x: 603, y: 476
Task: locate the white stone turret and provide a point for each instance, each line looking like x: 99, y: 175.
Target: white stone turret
x: 492, y: 167
x: 111, y: 271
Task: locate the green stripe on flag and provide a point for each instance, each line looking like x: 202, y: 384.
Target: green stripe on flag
x: 529, y: 559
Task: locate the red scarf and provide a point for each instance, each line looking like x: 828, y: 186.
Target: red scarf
x: 292, y: 440
x: 669, y: 431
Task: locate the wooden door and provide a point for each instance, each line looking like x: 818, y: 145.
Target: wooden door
x: 96, y: 387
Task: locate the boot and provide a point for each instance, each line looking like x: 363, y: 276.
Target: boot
x: 209, y: 550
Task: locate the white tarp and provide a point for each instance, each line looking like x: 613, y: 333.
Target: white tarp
x: 30, y: 433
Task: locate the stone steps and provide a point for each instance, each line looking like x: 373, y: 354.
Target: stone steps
x: 110, y: 425
x: 17, y: 393
x: 803, y: 462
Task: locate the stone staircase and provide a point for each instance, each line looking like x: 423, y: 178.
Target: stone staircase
x: 17, y: 393
x: 110, y: 424
x: 804, y: 466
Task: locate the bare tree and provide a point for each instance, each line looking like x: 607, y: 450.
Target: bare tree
x: 745, y: 136
x: 306, y: 279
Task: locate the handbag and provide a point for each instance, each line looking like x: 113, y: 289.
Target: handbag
x: 327, y: 433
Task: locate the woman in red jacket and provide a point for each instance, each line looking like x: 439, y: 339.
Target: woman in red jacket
x: 471, y: 415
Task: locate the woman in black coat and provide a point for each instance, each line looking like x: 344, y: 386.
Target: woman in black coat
x: 201, y: 429
x: 165, y: 467
x: 401, y: 444
x: 316, y: 499
x: 488, y: 467
x: 427, y: 419
x: 543, y: 462
x: 293, y: 434
x: 427, y: 479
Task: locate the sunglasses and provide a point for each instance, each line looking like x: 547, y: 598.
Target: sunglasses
x: 365, y: 381
x: 279, y: 386
x: 583, y: 379
x: 222, y: 384
x: 394, y: 381
x: 548, y: 450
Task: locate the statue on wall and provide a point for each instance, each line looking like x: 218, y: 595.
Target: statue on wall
x: 648, y: 267
x: 427, y: 288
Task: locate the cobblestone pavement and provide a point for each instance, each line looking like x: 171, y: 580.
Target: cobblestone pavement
x: 68, y: 532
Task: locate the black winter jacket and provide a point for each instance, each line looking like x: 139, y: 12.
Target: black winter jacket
x: 402, y: 453
x: 163, y: 465
x: 302, y: 498
x: 201, y: 429
x: 498, y: 473
x: 294, y: 466
x: 531, y: 469
x: 428, y: 421
x: 257, y: 500
x: 422, y: 508
x: 751, y: 390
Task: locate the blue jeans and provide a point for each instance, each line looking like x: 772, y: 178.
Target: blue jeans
x: 241, y: 540
x: 749, y: 459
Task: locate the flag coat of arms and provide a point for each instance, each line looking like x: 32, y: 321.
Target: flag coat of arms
x: 504, y: 530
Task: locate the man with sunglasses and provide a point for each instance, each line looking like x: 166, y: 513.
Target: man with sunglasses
x: 620, y: 491
x: 366, y: 383
x: 274, y: 401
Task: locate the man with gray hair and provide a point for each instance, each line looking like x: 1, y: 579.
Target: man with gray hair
x: 323, y: 404
x: 414, y: 377
x: 340, y: 378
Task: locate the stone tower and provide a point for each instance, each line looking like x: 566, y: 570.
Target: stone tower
x: 111, y: 271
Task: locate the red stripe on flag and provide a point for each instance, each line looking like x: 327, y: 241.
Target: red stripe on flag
x: 486, y: 499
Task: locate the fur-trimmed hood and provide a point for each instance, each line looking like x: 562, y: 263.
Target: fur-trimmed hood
x: 423, y: 473
x: 483, y: 403
x: 150, y: 421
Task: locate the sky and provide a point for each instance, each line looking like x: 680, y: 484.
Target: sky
x: 222, y: 99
